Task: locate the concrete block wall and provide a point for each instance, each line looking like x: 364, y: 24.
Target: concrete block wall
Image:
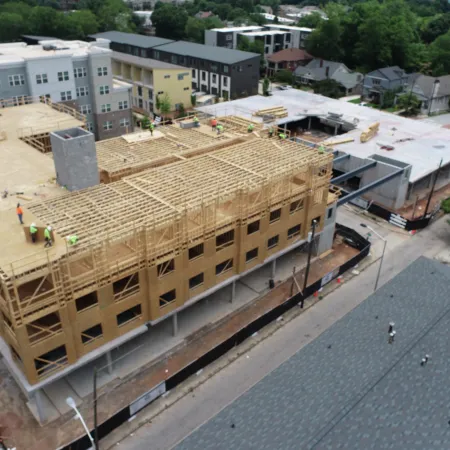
x: 75, y: 158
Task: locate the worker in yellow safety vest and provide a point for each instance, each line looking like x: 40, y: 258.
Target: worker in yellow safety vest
x: 196, y: 122
x: 219, y: 129
x: 321, y: 149
x: 250, y: 127
x: 151, y: 127
x: 72, y: 240
x: 48, y: 236
x: 281, y: 136
x: 33, y: 232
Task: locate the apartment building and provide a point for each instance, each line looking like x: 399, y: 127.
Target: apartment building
x: 217, y: 71
x: 73, y: 72
x: 275, y: 37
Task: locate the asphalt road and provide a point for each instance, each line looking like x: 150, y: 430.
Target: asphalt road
x: 174, y: 424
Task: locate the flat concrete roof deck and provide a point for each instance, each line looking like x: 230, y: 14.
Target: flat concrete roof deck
x: 22, y: 167
x: 420, y: 144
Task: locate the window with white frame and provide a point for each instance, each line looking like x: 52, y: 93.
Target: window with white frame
x: 214, y: 78
x: 82, y: 91
x: 104, y: 90
x: 107, y: 125
x: 63, y: 76
x: 85, y: 109
x: 102, y: 71
x: 89, y: 126
x: 123, y: 105
x: 124, y: 122
x: 66, y: 95
x: 16, y: 80
x: 80, y: 72
x: 41, y: 78
x: 106, y: 108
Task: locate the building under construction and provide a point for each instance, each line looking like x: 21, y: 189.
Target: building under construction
x: 176, y: 215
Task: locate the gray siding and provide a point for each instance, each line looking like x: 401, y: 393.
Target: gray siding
x: 114, y: 117
x: 7, y: 91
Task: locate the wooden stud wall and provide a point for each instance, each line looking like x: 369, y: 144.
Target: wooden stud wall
x: 137, y: 226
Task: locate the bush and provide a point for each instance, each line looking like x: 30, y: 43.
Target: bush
x: 445, y: 205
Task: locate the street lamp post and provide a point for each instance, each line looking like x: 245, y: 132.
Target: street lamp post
x: 71, y: 402
x: 382, y: 255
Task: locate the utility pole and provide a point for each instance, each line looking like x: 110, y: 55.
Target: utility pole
x: 432, y: 189
x: 311, y: 240
x: 95, y: 410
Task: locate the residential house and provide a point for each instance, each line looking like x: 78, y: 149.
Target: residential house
x: 204, y: 14
x: 434, y: 93
x: 377, y: 82
x: 319, y: 70
x: 152, y: 79
x: 287, y: 59
x: 217, y: 71
x: 73, y: 72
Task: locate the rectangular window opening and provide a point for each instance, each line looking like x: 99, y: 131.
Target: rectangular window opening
x: 166, y: 267
x: 224, y: 266
x: 129, y: 315
x: 273, y: 241
x: 224, y: 240
x: 44, y: 327
x: 294, y: 231
x: 275, y: 215
x: 251, y: 255
x: 253, y: 227
x: 167, y: 298
x: 196, y: 281
x: 196, y: 251
x: 296, y: 206
x: 87, y: 301
x: 126, y: 287
x: 91, y: 334
x: 51, y: 360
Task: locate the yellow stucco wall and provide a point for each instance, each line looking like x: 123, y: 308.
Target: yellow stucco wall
x: 175, y: 88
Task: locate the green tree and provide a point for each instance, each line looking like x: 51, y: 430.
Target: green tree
x: 81, y: 24
x: 266, y: 85
x: 313, y: 20
x: 440, y: 55
x: 328, y: 88
x: 45, y: 21
x: 325, y: 41
x: 388, y: 99
x: 115, y: 15
x: 169, y: 21
x: 181, y: 111
x: 410, y: 103
x: 284, y: 76
x: 12, y: 26
x: 436, y: 27
x: 165, y: 106
x: 145, y: 123
x: 195, y: 28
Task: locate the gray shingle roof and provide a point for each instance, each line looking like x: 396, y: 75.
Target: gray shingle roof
x: 217, y: 54
x: 131, y: 39
x: 361, y: 393
x: 317, y: 69
x: 426, y: 85
x: 390, y: 73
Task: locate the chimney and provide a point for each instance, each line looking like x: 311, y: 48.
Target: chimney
x: 321, y: 63
x: 327, y: 71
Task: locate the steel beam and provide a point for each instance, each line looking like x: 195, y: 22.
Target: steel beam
x: 352, y: 173
x: 369, y: 187
x: 341, y: 158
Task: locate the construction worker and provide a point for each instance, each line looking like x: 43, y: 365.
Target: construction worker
x: 33, y: 232
x: 270, y: 132
x: 281, y: 136
x: 72, y: 240
x: 321, y: 149
x: 213, y: 124
x: 196, y: 122
x: 151, y: 127
x: 250, y: 128
x: 48, y: 236
x: 19, y: 212
x: 219, y: 129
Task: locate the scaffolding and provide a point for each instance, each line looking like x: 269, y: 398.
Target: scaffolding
x: 142, y: 238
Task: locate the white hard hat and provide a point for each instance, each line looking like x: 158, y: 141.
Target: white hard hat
x: 49, y: 228
x: 67, y: 238
x: 33, y: 224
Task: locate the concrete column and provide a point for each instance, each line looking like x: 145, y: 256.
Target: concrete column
x: 274, y: 267
x: 233, y: 291
x: 109, y: 362
x: 174, y: 324
x: 335, y: 130
x: 39, y: 406
x: 309, y: 122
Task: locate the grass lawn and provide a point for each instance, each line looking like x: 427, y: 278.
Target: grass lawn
x: 357, y: 101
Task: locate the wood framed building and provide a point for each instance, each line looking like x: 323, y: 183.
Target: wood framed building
x: 151, y: 243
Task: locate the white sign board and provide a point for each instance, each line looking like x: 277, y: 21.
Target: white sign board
x: 147, y: 398
x: 328, y: 277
